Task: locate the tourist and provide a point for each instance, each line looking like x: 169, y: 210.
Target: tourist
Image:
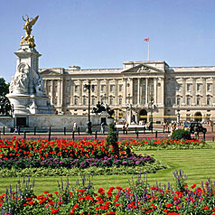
x: 74, y: 126
x: 196, y: 132
x: 102, y: 128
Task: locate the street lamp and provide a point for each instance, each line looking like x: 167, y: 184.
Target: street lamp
x: 89, y: 124
x: 178, y: 115
x: 151, y: 109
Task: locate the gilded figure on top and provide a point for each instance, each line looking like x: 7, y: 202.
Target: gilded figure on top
x: 28, y: 28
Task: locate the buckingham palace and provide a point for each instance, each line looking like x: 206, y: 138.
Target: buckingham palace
x: 136, y: 91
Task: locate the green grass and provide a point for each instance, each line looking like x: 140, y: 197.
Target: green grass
x: 197, y: 164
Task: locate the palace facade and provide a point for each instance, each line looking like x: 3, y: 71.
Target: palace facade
x: 138, y: 91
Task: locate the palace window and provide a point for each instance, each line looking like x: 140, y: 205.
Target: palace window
x: 179, y: 87
x: 120, y: 88
x: 84, y: 100
x: 143, y: 88
x: 76, y: 88
x: 135, y: 101
x: 67, y: 101
x: 188, y: 87
x: 198, y: 101
x: 67, y: 89
x: 93, y: 100
x: 208, y: 101
x: 208, y: 87
x: 135, y: 87
x: 168, y: 88
x: 93, y: 88
x: 49, y: 89
x: 178, y: 101
x: 55, y: 88
x: 102, y: 88
x: 111, y: 100
x: 168, y: 102
x: 55, y: 101
x: 152, y: 87
x: 143, y: 101
x: 188, y: 101
x: 120, y: 101
x: 76, y: 101
x: 198, y: 87
x: 111, y: 88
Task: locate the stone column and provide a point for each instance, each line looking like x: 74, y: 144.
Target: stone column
x: 61, y: 91
x: 204, y: 102
x: 52, y: 92
x: 125, y: 91
x: 213, y: 92
x: 80, y: 92
x: 138, y: 91
x: 98, y: 90
x: 183, y: 91
x: 194, y: 91
x: 155, y: 90
x: 131, y: 90
x: 72, y: 93
x: 147, y: 83
x: 107, y: 91
x: 116, y: 93
x: 162, y: 92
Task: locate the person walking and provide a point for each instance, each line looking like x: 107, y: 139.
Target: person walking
x: 102, y: 128
x: 74, y: 126
x: 196, y: 132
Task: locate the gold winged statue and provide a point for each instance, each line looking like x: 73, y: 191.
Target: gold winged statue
x: 28, y: 28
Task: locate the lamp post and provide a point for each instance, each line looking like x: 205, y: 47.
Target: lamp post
x: 178, y: 115
x: 151, y: 110
x: 89, y: 124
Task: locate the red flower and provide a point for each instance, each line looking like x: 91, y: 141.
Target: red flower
x: 206, y: 208
x: 193, y: 186
x: 54, y: 211
x: 31, y: 202
x: 169, y: 205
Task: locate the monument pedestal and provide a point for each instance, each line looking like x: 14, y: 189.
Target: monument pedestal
x: 27, y: 94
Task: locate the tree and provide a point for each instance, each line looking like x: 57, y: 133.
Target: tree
x: 4, y: 87
x: 112, y: 138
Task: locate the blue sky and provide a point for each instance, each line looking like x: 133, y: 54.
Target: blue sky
x: 104, y: 33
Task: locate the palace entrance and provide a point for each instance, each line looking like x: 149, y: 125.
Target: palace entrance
x: 143, y: 115
x: 198, y: 116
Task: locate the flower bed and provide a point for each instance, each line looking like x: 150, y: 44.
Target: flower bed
x: 134, y: 160
x: 139, y: 198
x: 22, y: 154
x: 169, y: 144
x: 43, y: 149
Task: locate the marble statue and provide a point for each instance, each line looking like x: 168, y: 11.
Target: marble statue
x: 27, y: 93
x: 28, y: 28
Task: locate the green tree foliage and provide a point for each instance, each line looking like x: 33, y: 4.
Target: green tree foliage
x: 112, y: 138
x: 180, y: 134
x: 4, y: 87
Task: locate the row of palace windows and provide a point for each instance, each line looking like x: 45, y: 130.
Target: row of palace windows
x: 76, y: 88
x: 198, y: 101
x: 93, y: 100
x: 198, y: 87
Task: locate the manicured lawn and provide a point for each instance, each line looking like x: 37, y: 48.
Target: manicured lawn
x: 198, y: 164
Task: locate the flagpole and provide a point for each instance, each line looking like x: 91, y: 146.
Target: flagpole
x: 148, y: 50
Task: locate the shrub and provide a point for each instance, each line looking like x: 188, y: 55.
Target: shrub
x: 112, y: 138
x: 180, y: 134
